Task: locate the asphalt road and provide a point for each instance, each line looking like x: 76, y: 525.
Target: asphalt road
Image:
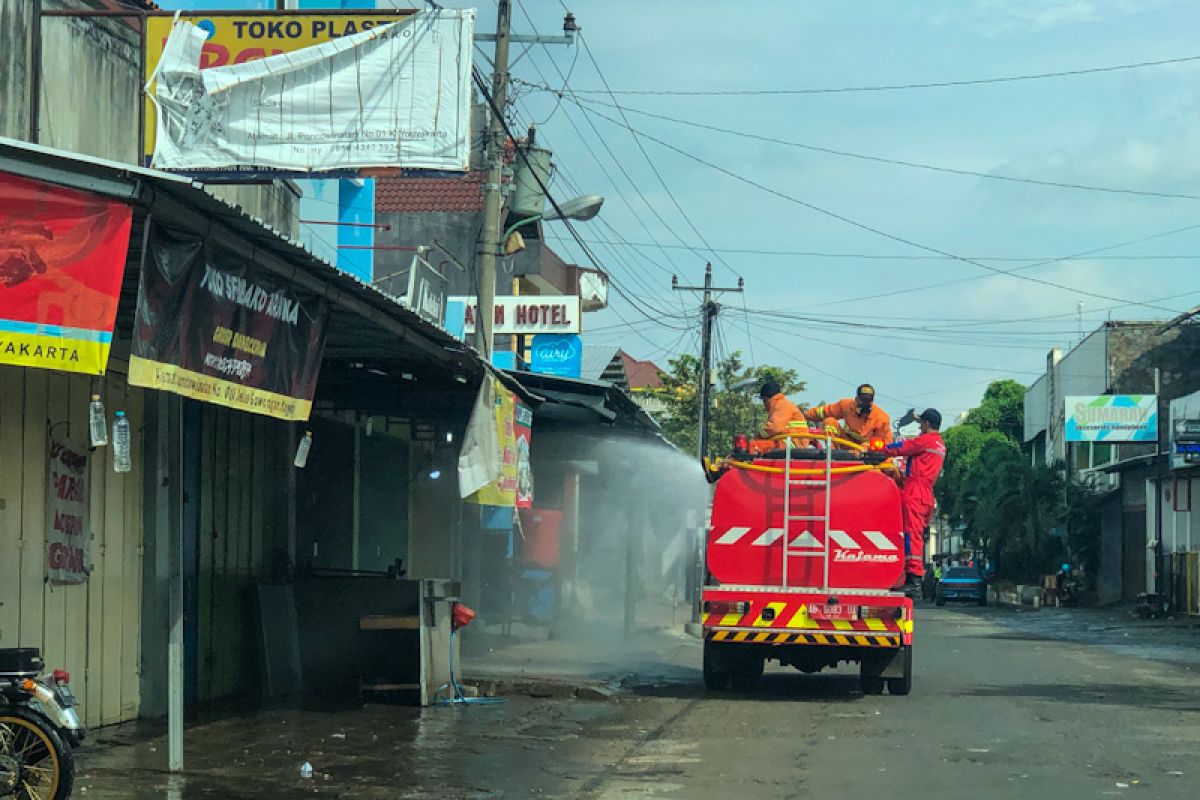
x: 997, y: 711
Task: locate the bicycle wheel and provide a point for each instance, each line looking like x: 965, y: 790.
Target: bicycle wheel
x: 35, y: 764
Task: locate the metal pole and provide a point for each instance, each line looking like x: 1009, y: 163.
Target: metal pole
x: 35, y: 75
x: 493, y: 198
x: 172, y: 414
x: 1159, y: 559
x: 142, y: 161
x: 708, y: 314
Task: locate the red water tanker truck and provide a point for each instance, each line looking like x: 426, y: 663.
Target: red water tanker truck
x: 803, y: 553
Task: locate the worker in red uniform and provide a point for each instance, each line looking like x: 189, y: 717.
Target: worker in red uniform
x: 864, y: 421
x: 923, y: 457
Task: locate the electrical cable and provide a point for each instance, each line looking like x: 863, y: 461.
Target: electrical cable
x: 639, y: 305
x: 871, y: 229
x: 893, y: 161
x: 839, y: 378
x: 591, y: 152
x: 653, y: 168
x: 892, y: 87
x: 620, y: 166
x: 914, y: 256
x: 794, y: 333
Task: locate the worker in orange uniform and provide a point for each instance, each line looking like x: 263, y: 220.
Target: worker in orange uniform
x: 923, y: 458
x: 783, y: 416
x: 865, y: 422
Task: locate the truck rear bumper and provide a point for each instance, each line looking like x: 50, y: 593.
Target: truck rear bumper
x: 788, y: 616
x: 848, y: 639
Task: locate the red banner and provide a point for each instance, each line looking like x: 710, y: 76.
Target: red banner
x: 62, y: 258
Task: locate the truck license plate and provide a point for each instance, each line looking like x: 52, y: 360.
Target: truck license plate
x: 832, y: 612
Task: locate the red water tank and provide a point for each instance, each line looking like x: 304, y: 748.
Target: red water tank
x: 541, y: 528
x: 865, y: 545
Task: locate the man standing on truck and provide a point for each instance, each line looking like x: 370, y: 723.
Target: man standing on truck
x: 864, y: 421
x: 923, y: 457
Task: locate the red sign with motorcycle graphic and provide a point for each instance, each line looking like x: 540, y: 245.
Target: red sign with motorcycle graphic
x: 62, y: 258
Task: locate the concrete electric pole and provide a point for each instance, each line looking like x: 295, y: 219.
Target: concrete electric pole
x: 493, y: 195
x: 493, y: 198
x: 708, y: 315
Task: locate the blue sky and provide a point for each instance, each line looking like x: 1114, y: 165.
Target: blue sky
x: 1133, y: 129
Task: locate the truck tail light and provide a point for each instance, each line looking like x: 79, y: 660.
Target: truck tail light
x: 879, y: 612
x: 723, y: 607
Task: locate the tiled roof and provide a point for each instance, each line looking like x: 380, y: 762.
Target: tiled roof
x: 395, y: 195
x: 642, y: 374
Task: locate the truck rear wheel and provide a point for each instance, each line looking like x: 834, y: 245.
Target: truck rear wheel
x: 903, y: 685
x: 870, y: 684
x: 716, y: 668
x: 747, y: 672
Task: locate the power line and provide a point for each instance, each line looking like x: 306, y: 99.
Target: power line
x: 863, y: 226
x: 653, y: 168
x: 839, y: 378
x: 638, y: 305
x: 620, y: 166
x: 896, y: 86
x: 905, y: 358
x: 894, y: 161
x: 916, y: 256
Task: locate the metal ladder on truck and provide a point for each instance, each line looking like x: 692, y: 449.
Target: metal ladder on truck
x: 795, y: 525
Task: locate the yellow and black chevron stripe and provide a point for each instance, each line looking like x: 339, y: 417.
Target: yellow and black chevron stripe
x: 767, y: 637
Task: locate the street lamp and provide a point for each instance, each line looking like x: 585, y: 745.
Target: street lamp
x: 580, y: 209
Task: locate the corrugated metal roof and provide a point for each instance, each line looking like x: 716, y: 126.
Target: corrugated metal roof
x: 596, y: 358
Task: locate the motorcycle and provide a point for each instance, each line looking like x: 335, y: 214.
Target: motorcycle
x: 38, y: 728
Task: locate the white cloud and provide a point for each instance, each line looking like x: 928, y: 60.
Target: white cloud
x: 996, y: 18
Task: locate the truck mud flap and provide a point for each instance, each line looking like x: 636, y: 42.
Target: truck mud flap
x: 884, y: 664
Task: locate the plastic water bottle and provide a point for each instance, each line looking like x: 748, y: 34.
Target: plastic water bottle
x: 302, y: 450
x: 97, y: 422
x: 306, y: 770
x: 122, y: 460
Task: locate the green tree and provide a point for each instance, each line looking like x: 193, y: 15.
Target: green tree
x: 1002, y: 409
x: 954, y: 490
x: 1007, y: 506
x: 733, y: 411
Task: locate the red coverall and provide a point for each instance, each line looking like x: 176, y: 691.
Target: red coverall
x: 923, y: 457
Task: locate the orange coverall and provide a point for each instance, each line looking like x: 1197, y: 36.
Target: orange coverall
x: 875, y: 425
x: 781, y: 412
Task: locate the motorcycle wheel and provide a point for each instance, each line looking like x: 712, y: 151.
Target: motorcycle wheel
x: 35, y: 763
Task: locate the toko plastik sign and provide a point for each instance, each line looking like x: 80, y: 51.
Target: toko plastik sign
x: 1112, y: 418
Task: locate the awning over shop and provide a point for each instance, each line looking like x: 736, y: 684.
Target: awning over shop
x: 586, y: 404
x: 367, y: 328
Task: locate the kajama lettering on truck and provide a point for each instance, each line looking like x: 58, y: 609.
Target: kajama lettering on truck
x: 803, y: 555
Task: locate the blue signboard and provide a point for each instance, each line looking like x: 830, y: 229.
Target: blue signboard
x: 557, y: 354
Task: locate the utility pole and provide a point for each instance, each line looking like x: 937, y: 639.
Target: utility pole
x: 493, y: 198
x: 708, y: 315
x: 493, y: 195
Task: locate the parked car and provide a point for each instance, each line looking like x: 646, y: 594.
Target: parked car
x: 961, y: 583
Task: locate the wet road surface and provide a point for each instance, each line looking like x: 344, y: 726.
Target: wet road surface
x: 997, y: 711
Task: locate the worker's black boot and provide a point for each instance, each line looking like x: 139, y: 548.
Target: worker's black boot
x: 912, y: 586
